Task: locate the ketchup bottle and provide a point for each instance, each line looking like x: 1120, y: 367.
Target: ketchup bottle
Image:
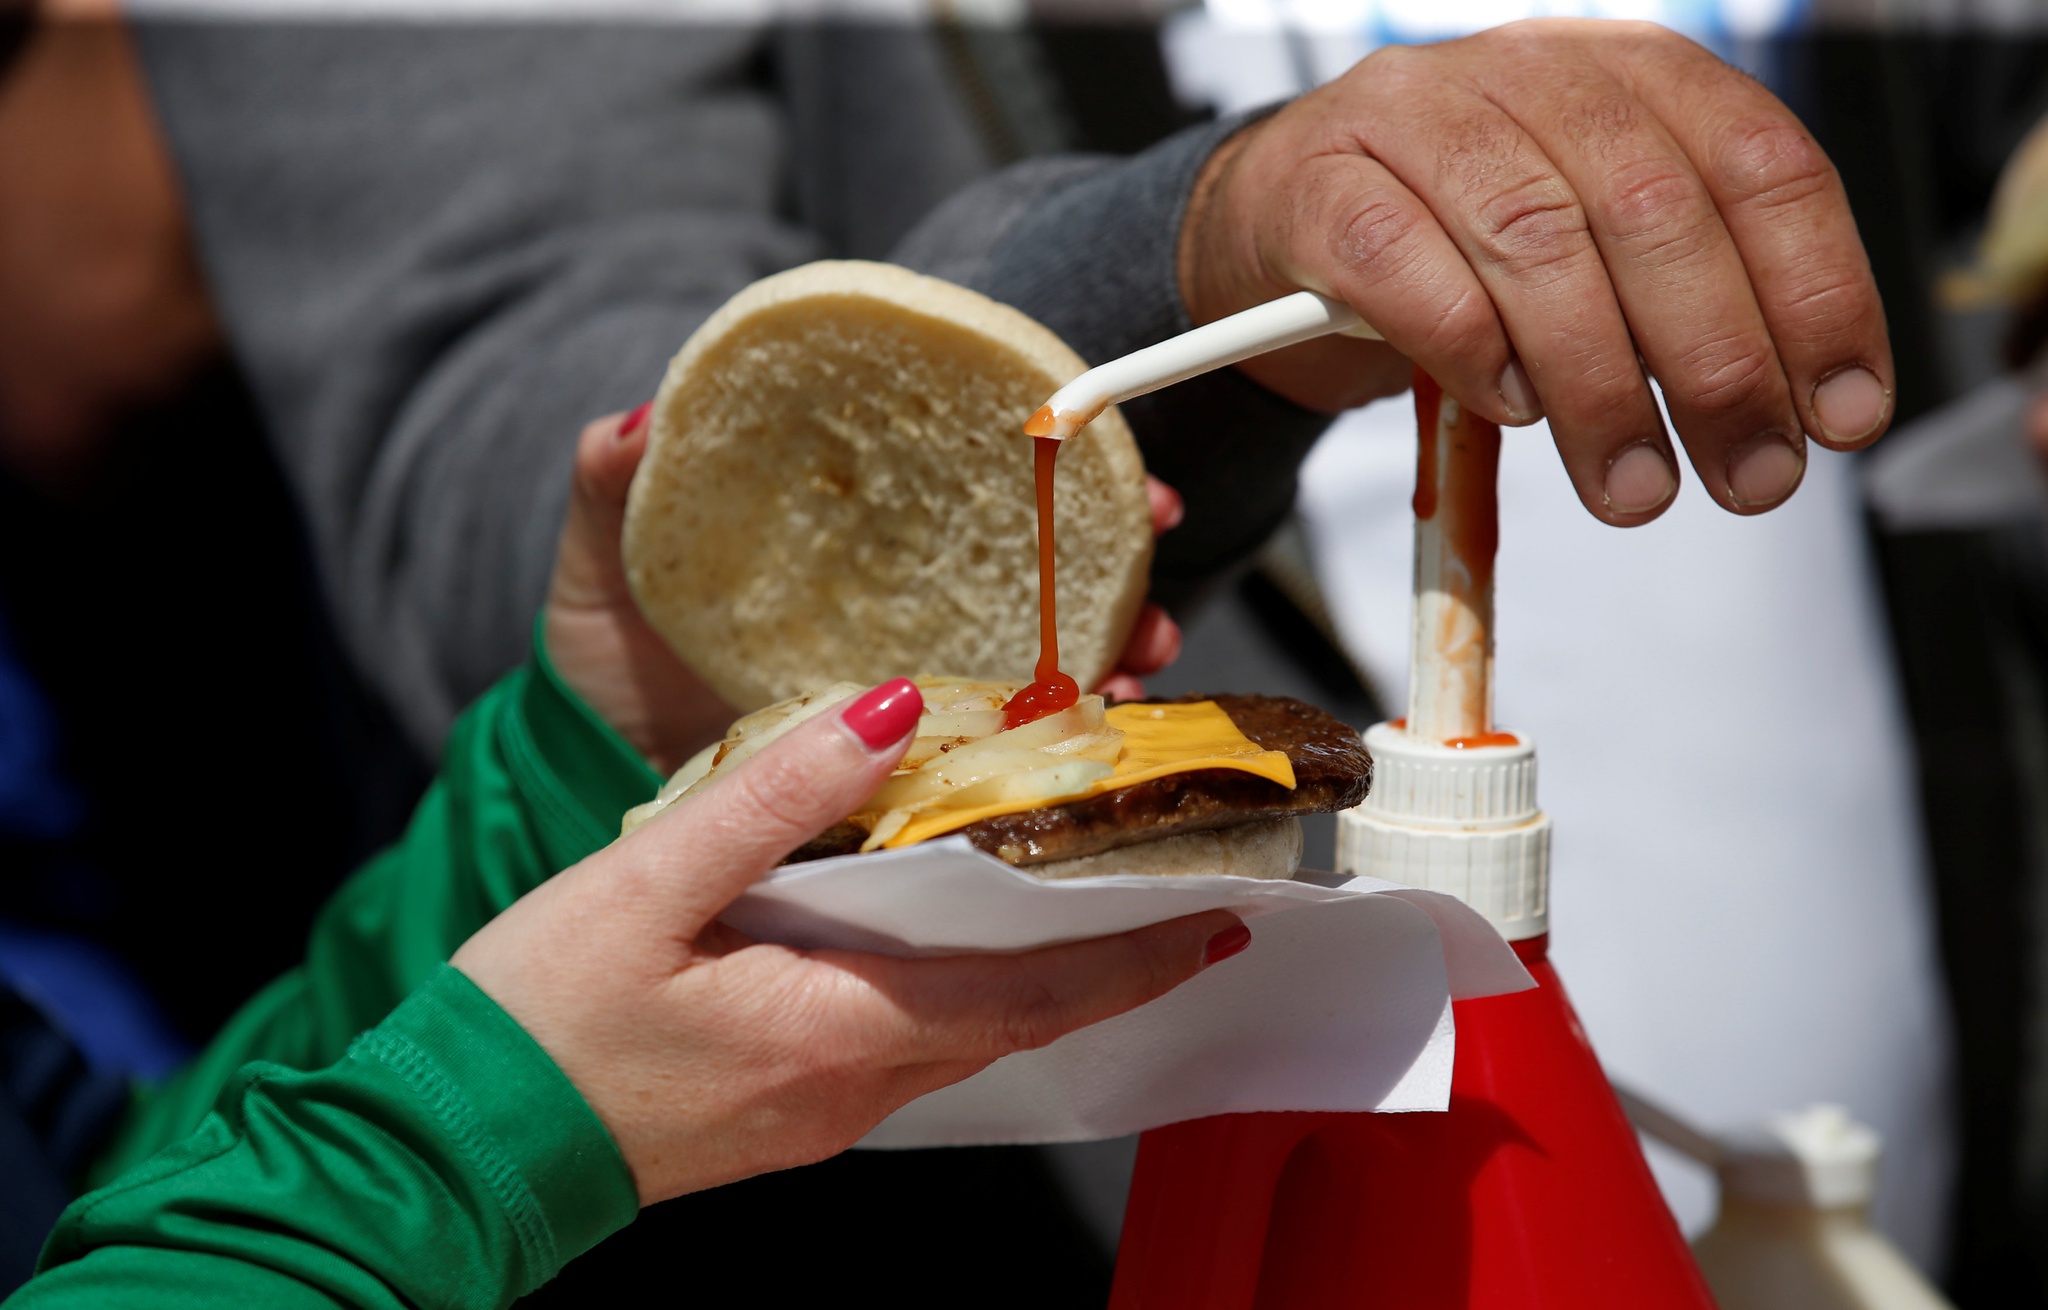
x: 1530, y: 1190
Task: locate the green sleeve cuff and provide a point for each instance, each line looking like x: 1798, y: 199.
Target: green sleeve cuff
x: 512, y: 1113
x: 578, y: 774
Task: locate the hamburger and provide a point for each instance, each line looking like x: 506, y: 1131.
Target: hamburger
x: 835, y: 491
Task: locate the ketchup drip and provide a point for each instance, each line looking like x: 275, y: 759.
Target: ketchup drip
x: 1053, y: 691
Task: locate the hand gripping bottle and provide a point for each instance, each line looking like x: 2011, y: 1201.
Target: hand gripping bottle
x: 1530, y: 1190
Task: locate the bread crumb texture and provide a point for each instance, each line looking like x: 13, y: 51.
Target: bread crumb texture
x: 837, y: 487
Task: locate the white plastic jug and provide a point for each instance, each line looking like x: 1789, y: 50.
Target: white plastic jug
x: 1794, y: 1232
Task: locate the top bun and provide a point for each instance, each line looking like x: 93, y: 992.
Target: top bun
x: 836, y: 487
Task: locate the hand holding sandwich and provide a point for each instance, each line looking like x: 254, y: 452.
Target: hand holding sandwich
x: 711, y: 1057
x: 605, y: 649
x: 1540, y: 215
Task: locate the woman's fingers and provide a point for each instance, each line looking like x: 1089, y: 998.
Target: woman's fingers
x: 589, y: 573
x: 696, y: 856
x: 600, y: 642
x: 1167, y: 507
x: 972, y: 1009
x: 1154, y: 642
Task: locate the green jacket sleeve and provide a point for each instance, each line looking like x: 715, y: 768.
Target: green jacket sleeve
x: 532, y: 781
x: 444, y: 1160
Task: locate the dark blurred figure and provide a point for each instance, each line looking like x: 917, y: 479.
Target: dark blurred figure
x: 172, y: 707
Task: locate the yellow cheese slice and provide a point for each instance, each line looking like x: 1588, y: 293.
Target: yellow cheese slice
x: 1158, y: 740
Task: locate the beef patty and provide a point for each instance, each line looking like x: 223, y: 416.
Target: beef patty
x: 1331, y: 772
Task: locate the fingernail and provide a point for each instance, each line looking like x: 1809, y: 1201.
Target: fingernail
x: 1226, y: 944
x: 1850, y: 404
x: 632, y: 421
x: 886, y: 714
x: 1638, y: 479
x: 1764, y: 470
x: 1519, y: 394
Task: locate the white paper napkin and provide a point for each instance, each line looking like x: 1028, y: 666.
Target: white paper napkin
x: 1341, y: 1002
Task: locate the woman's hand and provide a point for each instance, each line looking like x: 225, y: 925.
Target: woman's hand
x: 598, y: 639
x: 1155, y: 637
x: 711, y: 1057
x: 1539, y: 215
x: 607, y: 653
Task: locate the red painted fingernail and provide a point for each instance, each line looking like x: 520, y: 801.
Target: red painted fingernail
x: 886, y: 714
x: 1226, y: 944
x: 632, y: 421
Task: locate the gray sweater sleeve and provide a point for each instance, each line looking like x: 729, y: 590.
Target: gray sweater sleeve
x: 440, y: 250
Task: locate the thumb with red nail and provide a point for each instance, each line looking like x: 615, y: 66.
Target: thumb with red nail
x: 711, y: 1057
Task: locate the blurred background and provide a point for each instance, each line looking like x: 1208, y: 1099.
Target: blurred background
x: 1798, y: 765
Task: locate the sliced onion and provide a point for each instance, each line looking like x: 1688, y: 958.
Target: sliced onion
x: 923, y: 750
x: 1084, y: 716
x: 886, y: 827
x: 970, y: 724
x: 1033, y: 786
x: 688, y: 776
x: 1105, y: 745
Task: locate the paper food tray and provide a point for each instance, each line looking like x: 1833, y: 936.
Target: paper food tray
x: 1341, y: 1002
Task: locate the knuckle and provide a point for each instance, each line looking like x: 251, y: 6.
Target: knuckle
x: 1466, y: 328
x: 1774, y: 165
x: 770, y: 790
x: 1034, y: 1019
x: 1377, y: 239
x: 1531, y: 226
x: 1607, y: 391
x: 1828, y: 303
x: 1661, y: 214
x: 1724, y: 375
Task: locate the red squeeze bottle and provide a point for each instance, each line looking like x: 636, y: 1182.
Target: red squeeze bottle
x: 1530, y: 1190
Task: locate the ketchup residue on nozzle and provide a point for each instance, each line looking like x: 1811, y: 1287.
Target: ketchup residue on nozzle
x: 1053, y: 691
x: 1041, y: 425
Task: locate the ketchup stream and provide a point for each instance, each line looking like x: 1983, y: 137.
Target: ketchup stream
x: 1053, y: 691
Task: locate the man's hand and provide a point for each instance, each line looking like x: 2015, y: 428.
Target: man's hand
x: 622, y: 668
x: 711, y: 1057
x: 1537, y: 214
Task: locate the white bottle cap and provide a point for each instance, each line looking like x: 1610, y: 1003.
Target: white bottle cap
x: 1819, y: 1157
x: 1453, y: 819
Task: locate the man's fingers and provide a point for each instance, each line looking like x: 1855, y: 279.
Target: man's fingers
x: 1528, y: 238
x: 702, y: 852
x: 1785, y: 207
x: 978, y: 1008
x: 1674, y: 268
x: 1363, y: 235
x: 588, y: 570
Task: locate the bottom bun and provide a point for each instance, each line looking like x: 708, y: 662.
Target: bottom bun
x: 1268, y: 848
